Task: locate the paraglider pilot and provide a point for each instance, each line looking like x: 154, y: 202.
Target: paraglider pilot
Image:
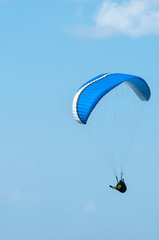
x: 121, y: 186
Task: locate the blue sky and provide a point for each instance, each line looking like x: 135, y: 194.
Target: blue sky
x: 53, y: 183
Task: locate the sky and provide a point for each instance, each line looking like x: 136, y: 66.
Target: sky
x: 53, y: 182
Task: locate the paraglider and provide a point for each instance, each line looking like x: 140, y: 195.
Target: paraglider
x: 113, y: 131
x: 121, y: 186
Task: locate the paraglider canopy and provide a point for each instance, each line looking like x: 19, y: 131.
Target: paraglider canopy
x: 92, y: 91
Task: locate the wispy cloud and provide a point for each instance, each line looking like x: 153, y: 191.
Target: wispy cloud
x: 15, y: 195
x: 10, y: 194
x: 91, y: 206
x: 130, y: 17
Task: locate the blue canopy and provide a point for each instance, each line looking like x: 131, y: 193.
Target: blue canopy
x: 92, y: 91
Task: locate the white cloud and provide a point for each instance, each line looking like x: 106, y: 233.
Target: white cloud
x: 10, y: 194
x: 129, y: 17
x: 91, y: 206
x: 15, y: 195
